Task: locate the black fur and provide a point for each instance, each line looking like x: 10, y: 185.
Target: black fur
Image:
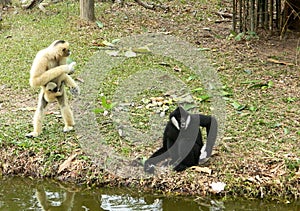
x: 183, y: 146
x: 58, y: 88
x: 59, y: 42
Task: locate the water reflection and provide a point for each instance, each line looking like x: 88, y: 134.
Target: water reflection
x: 58, y: 200
x: 28, y: 194
x: 126, y: 202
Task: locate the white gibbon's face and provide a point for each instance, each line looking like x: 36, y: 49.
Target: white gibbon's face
x: 61, y: 48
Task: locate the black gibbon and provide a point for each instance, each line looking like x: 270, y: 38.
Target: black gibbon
x: 182, y: 141
x: 50, y: 71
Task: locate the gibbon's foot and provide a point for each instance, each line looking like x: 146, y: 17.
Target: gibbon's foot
x: 75, y: 91
x: 32, y: 135
x: 68, y: 128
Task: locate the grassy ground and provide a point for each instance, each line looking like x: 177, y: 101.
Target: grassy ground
x: 258, y: 155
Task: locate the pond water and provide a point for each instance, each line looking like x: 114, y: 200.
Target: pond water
x: 31, y: 194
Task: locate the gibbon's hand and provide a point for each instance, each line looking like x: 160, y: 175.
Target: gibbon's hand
x: 75, y: 91
x: 71, y: 68
x: 149, y: 168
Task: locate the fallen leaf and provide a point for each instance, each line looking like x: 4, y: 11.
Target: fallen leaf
x: 112, y: 53
x: 115, y: 41
x: 297, y: 175
x: 27, y: 109
x: 251, y: 179
x: 130, y: 54
x: 66, y: 163
x: 204, y: 49
x: 99, y: 24
x: 177, y: 69
x: 120, y: 131
x: 143, y: 49
x: 237, y: 106
x: 156, y: 99
x: 202, y: 169
x: 106, y: 43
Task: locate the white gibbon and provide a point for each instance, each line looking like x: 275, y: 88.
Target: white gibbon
x: 50, y: 71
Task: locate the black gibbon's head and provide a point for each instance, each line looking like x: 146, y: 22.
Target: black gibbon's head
x: 180, y: 118
x: 60, y: 48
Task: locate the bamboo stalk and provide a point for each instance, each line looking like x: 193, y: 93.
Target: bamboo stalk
x: 247, y: 25
x: 284, y: 19
x: 255, y: 14
x: 271, y: 10
x: 244, y: 15
x: 260, y: 13
x: 252, y: 16
x: 266, y: 16
x: 278, y: 10
x: 248, y: 15
x: 234, y: 15
x: 241, y: 15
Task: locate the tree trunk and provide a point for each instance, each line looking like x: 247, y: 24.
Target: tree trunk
x: 87, y: 11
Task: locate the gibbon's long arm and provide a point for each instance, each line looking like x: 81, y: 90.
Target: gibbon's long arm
x: 156, y: 154
x: 69, y: 81
x: 205, y: 121
x: 42, y: 77
x: 157, y: 157
x: 211, y: 125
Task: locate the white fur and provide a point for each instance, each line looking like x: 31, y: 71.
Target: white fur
x: 203, y: 152
x: 175, y: 122
x: 188, y: 121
